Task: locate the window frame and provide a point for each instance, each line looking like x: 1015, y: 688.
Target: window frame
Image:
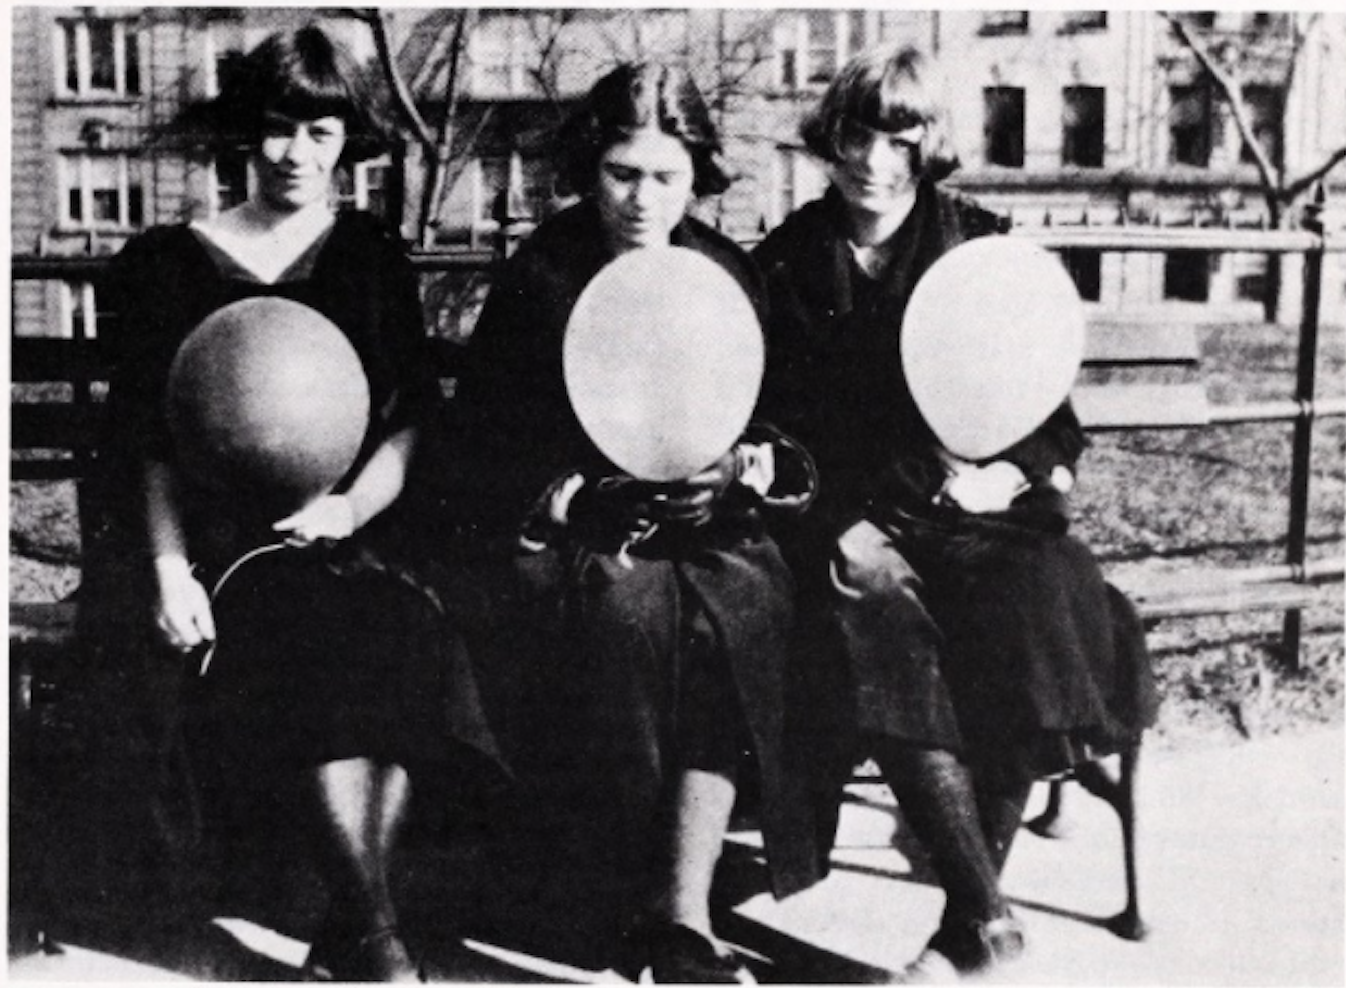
x: 998, y: 23
x: 1071, y: 148
x: 75, y: 173
x: 987, y: 143
x: 1202, y: 94
x: 518, y: 53
x: 792, y: 37
x: 126, y: 38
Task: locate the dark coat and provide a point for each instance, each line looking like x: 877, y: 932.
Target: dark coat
x: 325, y: 652
x: 597, y: 646
x: 1033, y: 641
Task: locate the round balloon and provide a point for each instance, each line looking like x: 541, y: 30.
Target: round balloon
x: 663, y: 360
x: 991, y: 343
x: 267, y: 399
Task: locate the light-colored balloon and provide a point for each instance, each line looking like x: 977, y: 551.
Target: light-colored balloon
x: 992, y: 342
x: 663, y: 361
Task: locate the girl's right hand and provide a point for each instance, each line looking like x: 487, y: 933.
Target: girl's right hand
x: 183, y: 615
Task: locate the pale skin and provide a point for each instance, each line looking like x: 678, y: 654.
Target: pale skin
x: 877, y: 181
x: 294, y: 164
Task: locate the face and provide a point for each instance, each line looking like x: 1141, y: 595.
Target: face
x: 644, y: 186
x: 875, y: 172
x: 296, y: 159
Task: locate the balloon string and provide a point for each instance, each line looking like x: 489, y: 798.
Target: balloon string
x: 219, y: 585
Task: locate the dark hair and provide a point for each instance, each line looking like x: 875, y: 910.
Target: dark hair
x: 303, y: 74
x: 629, y: 98
x: 888, y: 90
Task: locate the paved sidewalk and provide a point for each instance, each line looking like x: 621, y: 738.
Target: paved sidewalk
x: 1241, y: 883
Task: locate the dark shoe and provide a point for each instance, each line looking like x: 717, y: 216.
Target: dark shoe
x: 380, y: 956
x: 678, y: 955
x: 966, y: 948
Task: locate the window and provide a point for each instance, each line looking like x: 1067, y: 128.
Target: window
x: 81, y: 318
x: 1004, y: 22
x: 502, y: 57
x: 1190, y: 125
x: 1085, y: 266
x: 526, y: 181
x: 1187, y: 275
x: 365, y: 186
x: 225, y: 45
x: 229, y: 179
x: 1265, y: 106
x: 1082, y: 128
x: 1004, y: 126
x: 101, y: 190
x: 1267, y: 23
x: 812, y: 45
x: 796, y: 179
x: 1081, y: 21
x: 97, y: 58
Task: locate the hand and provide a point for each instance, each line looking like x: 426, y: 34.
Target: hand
x: 984, y: 489
x: 183, y: 615
x: 329, y: 517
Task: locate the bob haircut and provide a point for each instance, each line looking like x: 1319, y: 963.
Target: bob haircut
x: 303, y: 75
x: 632, y: 97
x: 888, y: 90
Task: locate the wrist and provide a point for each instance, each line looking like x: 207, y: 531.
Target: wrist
x: 171, y: 566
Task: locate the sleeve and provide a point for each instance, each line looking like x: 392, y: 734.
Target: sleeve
x: 510, y: 415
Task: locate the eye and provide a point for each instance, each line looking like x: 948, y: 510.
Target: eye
x: 621, y: 173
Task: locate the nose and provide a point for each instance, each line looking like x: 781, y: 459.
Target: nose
x: 642, y: 193
x: 299, y: 145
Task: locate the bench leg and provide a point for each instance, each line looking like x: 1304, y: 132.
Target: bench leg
x: 1052, y: 822
x: 1119, y: 791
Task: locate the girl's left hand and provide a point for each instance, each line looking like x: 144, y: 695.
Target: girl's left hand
x: 983, y: 489
x: 329, y: 517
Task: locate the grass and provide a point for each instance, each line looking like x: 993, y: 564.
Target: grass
x: 1146, y: 501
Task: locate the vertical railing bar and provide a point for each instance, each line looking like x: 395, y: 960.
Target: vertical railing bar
x: 1305, y: 384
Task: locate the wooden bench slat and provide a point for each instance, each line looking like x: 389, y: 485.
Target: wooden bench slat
x: 53, y: 359
x: 54, y: 425
x: 1110, y: 340
x: 1131, y: 406
x: 1228, y: 598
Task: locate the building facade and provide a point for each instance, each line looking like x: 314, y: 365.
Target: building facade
x: 1060, y: 117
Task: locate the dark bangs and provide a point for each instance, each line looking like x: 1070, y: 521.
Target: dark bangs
x: 302, y: 75
x: 887, y: 91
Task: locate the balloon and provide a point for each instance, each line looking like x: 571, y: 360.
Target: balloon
x: 663, y: 360
x: 267, y: 399
x: 991, y: 343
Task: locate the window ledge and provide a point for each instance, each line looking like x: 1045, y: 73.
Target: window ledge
x: 96, y: 99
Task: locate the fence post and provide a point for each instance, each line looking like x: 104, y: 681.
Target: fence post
x: 1305, y: 381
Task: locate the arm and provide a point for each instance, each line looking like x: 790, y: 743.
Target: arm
x: 375, y: 488
x: 182, y: 609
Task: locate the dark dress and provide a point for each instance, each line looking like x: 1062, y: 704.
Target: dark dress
x: 991, y: 635
x: 628, y: 666
x: 325, y: 653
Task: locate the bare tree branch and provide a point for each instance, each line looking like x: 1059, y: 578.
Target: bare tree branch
x: 402, y: 96
x: 1233, y: 95
x: 1293, y: 190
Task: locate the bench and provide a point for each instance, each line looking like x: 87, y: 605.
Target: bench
x: 55, y: 424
